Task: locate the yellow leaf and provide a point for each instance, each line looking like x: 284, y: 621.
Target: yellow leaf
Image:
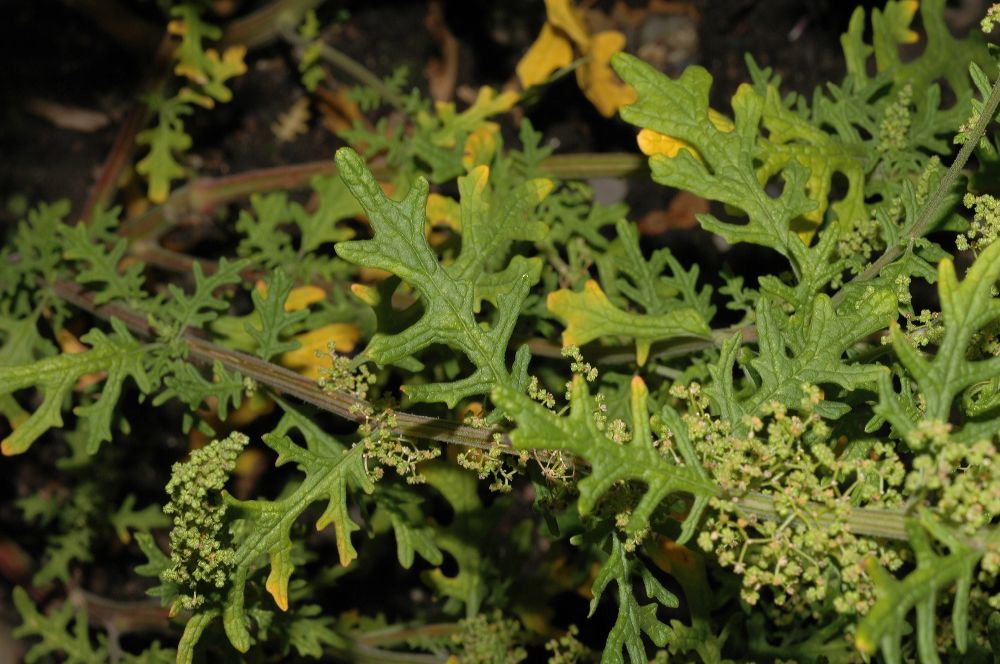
x: 598, y: 81
x: 488, y: 102
x: 444, y: 211
x: 304, y: 359
x: 301, y: 297
x: 277, y: 580
x: 298, y: 298
x: 721, y: 122
x: 653, y: 142
x: 563, y: 15
x: 897, y: 16
x: 480, y: 146
x: 367, y: 294
x: 249, y: 410
x: 591, y: 315
x: 549, y: 52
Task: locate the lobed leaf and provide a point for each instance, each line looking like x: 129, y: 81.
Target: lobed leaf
x: 885, y: 624
x: 611, y: 462
x: 119, y: 355
x: 966, y: 308
x: 449, y: 294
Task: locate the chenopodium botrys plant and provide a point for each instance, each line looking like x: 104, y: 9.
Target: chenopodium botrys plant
x: 810, y: 459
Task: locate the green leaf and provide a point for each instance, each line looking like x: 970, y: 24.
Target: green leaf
x: 58, y: 638
x: 203, y: 306
x: 461, y: 538
x: 63, y: 550
x: 448, y: 293
x: 724, y: 169
x: 335, y: 204
x: 274, y: 320
x: 119, y: 355
x: 186, y: 383
x: 634, y: 619
x: 165, y: 139
x: 39, y: 251
x: 966, y: 308
x: 81, y: 243
x: 266, y: 525
x: 611, y: 462
x: 791, y: 137
x: 886, y: 622
x: 802, y: 349
x: 126, y: 518
x: 413, y: 534
x: 590, y: 315
x: 943, y: 56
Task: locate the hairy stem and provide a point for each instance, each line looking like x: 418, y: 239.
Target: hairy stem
x: 874, y: 522
x: 205, y: 194
x: 349, y: 66
x: 930, y: 210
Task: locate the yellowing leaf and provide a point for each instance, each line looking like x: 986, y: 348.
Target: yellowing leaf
x: 480, y: 146
x: 304, y: 360
x: 277, y: 580
x: 487, y: 104
x: 303, y: 296
x: 563, y: 15
x: 550, y: 51
x: 653, y: 142
x: 299, y: 298
x: 598, y: 81
x: 444, y: 211
x: 590, y: 315
x: 898, y: 15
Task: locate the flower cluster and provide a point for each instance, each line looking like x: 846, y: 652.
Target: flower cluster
x: 960, y: 481
x: 807, y: 556
x: 342, y: 376
x: 201, y: 554
x: 388, y: 449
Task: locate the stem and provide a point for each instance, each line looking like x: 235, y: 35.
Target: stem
x: 205, y: 194
x: 930, y: 210
x: 874, y: 522
x: 349, y: 66
x: 124, y: 147
x: 267, y: 23
x: 285, y: 381
x: 593, y: 165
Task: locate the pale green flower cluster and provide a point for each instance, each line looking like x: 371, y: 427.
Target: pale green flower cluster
x: 201, y: 554
x: 806, y: 560
x: 985, y: 226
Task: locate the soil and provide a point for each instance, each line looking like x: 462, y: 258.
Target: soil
x: 57, y: 53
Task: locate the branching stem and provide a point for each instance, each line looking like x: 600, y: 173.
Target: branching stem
x: 930, y: 210
x: 884, y: 523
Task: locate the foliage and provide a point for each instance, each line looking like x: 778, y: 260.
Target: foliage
x: 796, y: 461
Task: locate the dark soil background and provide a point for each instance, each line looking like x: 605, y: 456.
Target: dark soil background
x: 54, y: 52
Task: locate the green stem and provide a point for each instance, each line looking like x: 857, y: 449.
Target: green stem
x: 267, y: 23
x: 349, y: 66
x: 593, y: 165
x: 930, y: 210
